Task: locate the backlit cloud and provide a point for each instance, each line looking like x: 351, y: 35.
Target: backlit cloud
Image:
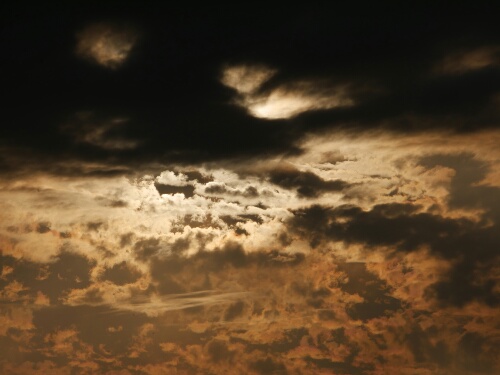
x: 106, y: 44
x: 246, y: 79
x: 283, y: 101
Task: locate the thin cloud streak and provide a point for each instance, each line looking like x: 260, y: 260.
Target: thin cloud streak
x: 160, y: 304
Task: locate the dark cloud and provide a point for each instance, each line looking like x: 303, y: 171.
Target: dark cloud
x: 375, y: 292
x: 216, y: 189
x: 144, y: 249
x: 343, y: 367
x: 222, y: 189
x: 314, y: 296
x: 121, y: 274
x: 423, y: 349
x: 187, y: 190
x: 93, y: 327
x: 67, y: 272
x: 118, y: 203
x: 10, y: 350
x: 470, y: 245
x: 95, y: 225
x: 233, y: 311
x: 92, y: 296
x: 173, y: 274
x: 465, y: 189
x: 197, y: 176
x: 231, y: 255
x: 43, y: 227
x: 326, y: 315
x: 476, y: 353
x: 386, y: 224
x: 308, y: 184
x: 207, y: 221
x: 218, y: 351
x: 233, y: 220
x: 269, y: 366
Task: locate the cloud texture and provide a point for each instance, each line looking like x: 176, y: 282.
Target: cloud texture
x: 206, y: 191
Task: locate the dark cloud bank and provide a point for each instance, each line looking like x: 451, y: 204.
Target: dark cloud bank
x: 175, y: 107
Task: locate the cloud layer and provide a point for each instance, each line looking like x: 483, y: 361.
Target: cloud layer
x: 344, y: 260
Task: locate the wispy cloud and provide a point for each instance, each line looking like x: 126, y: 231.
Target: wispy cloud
x: 285, y: 100
x: 158, y: 305
x: 106, y: 44
x: 469, y: 60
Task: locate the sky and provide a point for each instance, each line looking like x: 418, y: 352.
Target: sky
x: 250, y: 189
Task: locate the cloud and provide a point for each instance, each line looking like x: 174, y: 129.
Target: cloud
x: 377, y: 295
x: 172, y: 178
x: 283, y: 101
x: 403, y: 228
x: 168, y: 182
x: 319, y: 80
x: 90, y: 129
x: 187, y: 191
x: 300, y: 97
x: 121, y: 274
x: 354, y: 256
x: 108, y: 45
x: 307, y: 183
x: 311, y: 192
x: 182, y: 301
x: 470, y: 60
x: 66, y: 272
x: 246, y: 79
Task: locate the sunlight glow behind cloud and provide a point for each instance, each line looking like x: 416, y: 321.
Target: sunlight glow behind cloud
x: 283, y: 101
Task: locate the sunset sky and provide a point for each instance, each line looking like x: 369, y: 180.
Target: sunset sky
x: 249, y: 189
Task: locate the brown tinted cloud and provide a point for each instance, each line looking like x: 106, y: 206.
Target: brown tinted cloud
x: 304, y: 195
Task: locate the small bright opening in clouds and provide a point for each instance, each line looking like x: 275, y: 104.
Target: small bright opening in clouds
x: 106, y: 44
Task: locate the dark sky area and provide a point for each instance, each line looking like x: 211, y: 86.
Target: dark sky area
x: 250, y: 188
x: 169, y: 90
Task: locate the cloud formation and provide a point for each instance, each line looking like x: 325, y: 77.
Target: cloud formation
x: 470, y: 60
x: 333, y: 258
x: 106, y: 44
x: 254, y: 192
x: 283, y: 101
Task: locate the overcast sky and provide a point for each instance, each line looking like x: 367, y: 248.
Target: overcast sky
x: 250, y: 189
